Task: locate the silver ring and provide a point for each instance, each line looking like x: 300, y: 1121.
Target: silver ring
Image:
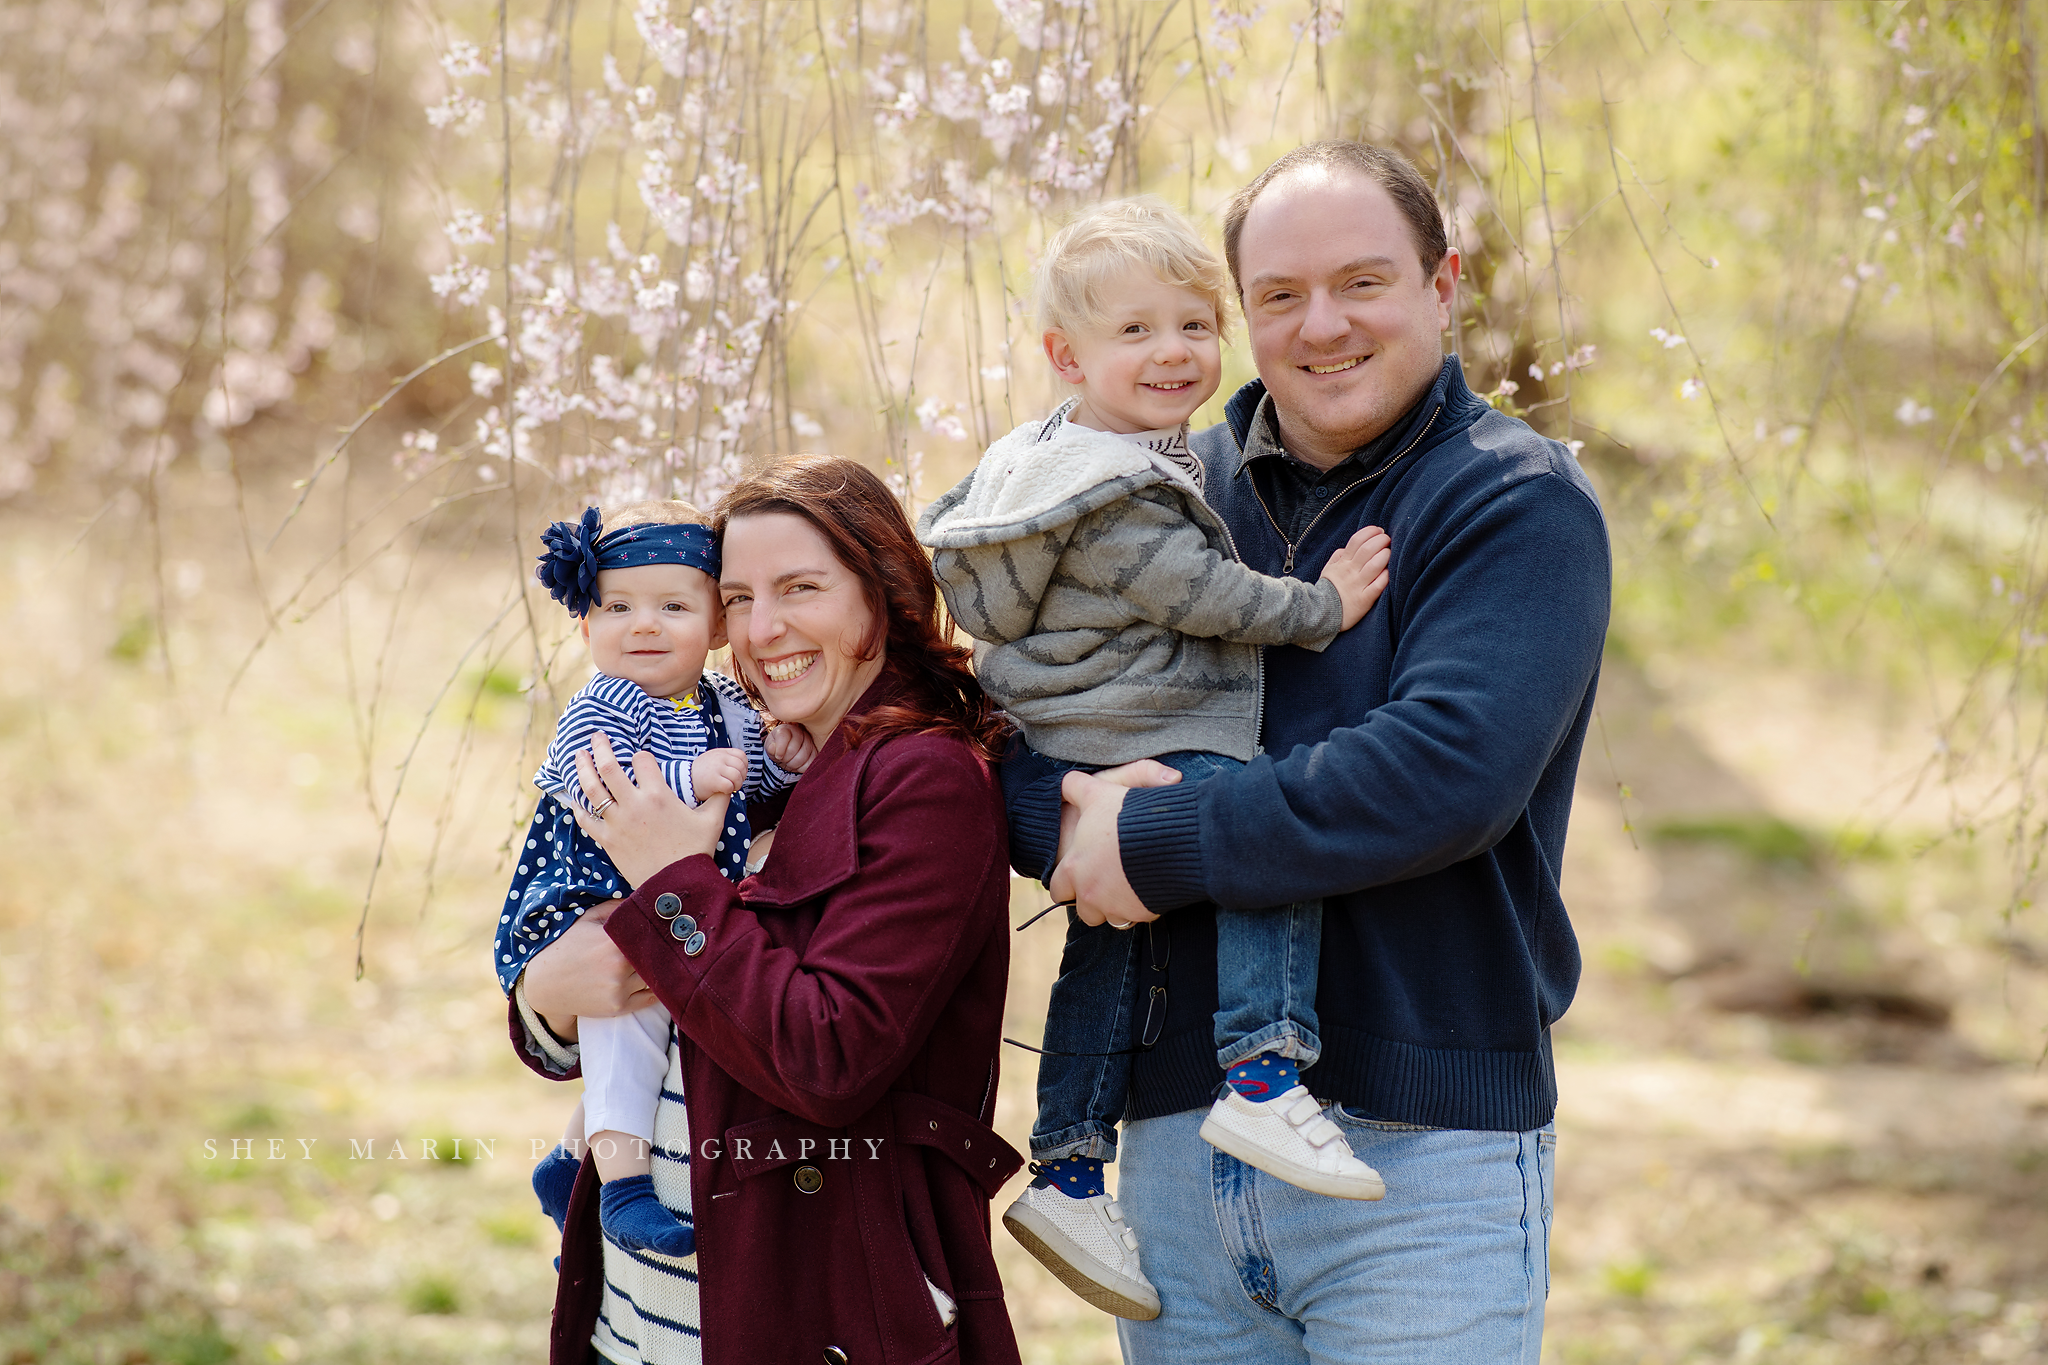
x: 609, y: 802
x: 1122, y: 924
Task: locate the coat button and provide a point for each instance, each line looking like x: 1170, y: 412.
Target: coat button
x: 694, y: 944
x: 809, y: 1179
x: 668, y: 905
x: 682, y: 926
x: 835, y: 1356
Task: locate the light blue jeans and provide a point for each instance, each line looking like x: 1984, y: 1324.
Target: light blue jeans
x: 1451, y: 1268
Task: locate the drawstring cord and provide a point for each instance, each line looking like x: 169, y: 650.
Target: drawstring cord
x: 1152, y: 1003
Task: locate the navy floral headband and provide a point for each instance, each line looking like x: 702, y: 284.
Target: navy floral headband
x: 577, y: 550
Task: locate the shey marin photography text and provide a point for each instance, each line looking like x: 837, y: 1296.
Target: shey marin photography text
x: 486, y: 1149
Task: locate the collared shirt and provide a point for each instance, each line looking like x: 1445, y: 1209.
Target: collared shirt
x: 1294, y: 490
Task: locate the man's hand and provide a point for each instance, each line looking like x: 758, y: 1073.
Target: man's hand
x: 1091, y: 865
x: 1359, y: 571
x: 792, y: 747
x: 1145, y: 772
x: 717, y: 772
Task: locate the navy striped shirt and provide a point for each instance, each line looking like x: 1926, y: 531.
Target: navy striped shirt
x: 561, y: 871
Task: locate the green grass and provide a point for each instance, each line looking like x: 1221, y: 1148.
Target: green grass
x: 1769, y: 839
x: 511, y: 1228
x: 136, y: 639
x: 433, y: 1295
x: 499, y: 682
x: 1630, y: 1279
x: 203, y: 1346
x: 1765, y: 838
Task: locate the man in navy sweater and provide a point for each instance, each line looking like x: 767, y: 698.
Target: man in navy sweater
x: 1416, y: 776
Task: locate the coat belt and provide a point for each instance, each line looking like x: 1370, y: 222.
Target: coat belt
x: 969, y: 1143
x: 903, y: 1116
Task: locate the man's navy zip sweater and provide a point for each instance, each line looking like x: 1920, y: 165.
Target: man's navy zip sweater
x: 1417, y: 777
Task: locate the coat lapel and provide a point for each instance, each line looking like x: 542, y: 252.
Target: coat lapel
x: 818, y: 843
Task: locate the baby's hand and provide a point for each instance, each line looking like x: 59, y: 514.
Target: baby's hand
x: 717, y: 772
x: 792, y: 747
x: 1360, y: 572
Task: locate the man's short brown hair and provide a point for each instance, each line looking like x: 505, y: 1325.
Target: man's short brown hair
x: 1384, y: 166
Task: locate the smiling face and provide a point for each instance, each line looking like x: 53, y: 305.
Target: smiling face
x: 653, y: 624
x: 1148, y: 363
x: 798, y: 619
x: 1345, y: 326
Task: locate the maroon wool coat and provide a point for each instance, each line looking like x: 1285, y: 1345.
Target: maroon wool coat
x: 838, y: 1025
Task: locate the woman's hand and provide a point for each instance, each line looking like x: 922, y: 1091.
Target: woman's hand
x: 583, y: 973
x: 643, y: 827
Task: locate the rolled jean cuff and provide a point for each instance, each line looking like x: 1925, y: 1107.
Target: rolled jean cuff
x: 1088, y: 1138
x: 1286, y: 1037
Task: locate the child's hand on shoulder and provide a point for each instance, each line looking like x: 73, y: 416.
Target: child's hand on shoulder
x: 792, y: 747
x: 1359, y: 571
x: 717, y: 772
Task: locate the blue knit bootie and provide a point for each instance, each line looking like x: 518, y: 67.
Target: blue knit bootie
x: 553, y: 1180
x: 637, y: 1221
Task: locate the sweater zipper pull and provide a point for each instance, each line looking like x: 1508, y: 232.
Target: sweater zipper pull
x: 1288, y: 567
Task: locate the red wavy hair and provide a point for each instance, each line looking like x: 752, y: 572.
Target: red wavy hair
x: 865, y: 526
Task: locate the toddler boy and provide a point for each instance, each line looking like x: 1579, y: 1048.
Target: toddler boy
x: 1114, y: 622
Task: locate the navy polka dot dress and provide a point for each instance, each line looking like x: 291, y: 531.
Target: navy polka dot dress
x: 561, y: 872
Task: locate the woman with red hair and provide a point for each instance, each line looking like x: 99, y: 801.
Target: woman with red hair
x: 837, y: 1013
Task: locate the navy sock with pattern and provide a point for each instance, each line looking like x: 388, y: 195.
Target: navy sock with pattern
x: 1075, y: 1176
x: 1263, y: 1075
x: 637, y: 1221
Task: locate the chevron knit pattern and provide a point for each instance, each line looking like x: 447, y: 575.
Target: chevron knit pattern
x: 1112, y: 616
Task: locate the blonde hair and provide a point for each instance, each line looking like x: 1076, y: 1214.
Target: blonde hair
x: 1110, y: 238
x: 657, y: 513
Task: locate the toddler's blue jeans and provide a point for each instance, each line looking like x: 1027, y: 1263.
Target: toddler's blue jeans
x: 1109, y: 996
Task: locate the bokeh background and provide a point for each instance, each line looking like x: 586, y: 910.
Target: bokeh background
x: 312, y: 314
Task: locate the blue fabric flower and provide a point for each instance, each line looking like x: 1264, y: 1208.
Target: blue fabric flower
x: 577, y: 551
x: 569, y: 569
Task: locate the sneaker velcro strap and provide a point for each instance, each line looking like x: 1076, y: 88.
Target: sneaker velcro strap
x: 1320, y: 1132
x: 1302, y: 1109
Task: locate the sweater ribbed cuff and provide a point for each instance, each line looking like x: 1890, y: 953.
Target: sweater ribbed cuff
x: 1158, y: 832
x: 1035, y: 835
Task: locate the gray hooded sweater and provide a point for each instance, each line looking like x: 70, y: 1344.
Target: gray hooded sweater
x: 1111, y: 616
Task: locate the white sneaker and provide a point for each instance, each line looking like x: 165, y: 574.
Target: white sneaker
x: 1288, y: 1137
x: 1086, y: 1243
